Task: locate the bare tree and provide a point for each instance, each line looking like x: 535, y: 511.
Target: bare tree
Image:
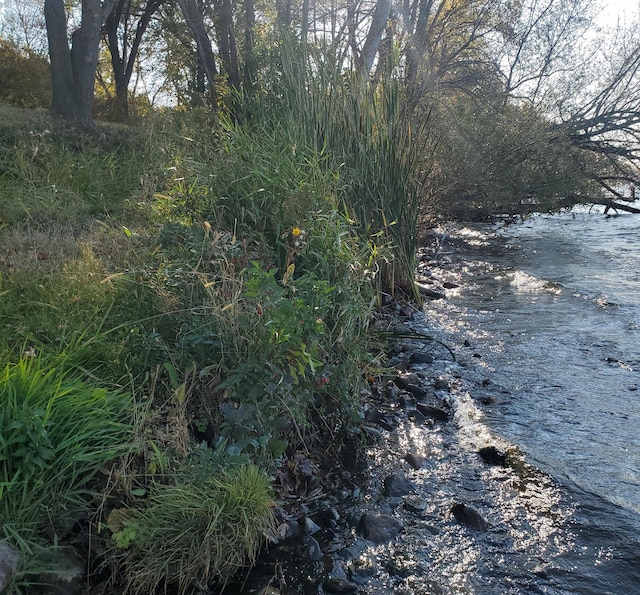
x: 123, y: 39
x: 23, y: 22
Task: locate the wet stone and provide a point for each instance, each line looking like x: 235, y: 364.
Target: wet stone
x: 416, y: 391
x: 396, y: 486
x: 309, y: 526
x: 433, y: 412
x: 391, y: 391
x: 492, y: 456
x: 415, y: 504
x: 313, y: 548
x: 469, y: 516
x: 441, y: 384
x: 373, y: 435
x: 421, y: 358
x: 385, y: 420
x: 338, y: 585
x: 419, y: 418
x: 380, y: 528
x: 411, y: 346
x: 416, y: 461
x: 405, y: 379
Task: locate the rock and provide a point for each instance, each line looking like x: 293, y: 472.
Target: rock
x: 492, y: 456
x: 313, y: 548
x: 289, y: 528
x: 415, y: 461
x: 338, y: 585
x: 391, y: 391
x: 309, y: 526
x: 441, y: 384
x: 415, y: 504
x: 469, y: 516
x: 407, y: 401
x: 69, y: 577
x: 433, y: 412
x: 338, y: 570
x: 430, y: 293
x: 411, y: 346
x: 396, y: 486
x: 419, y: 418
x: 372, y: 435
x: 450, y: 285
x: 348, y: 553
x: 385, y: 420
x: 9, y: 560
x: 405, y: 379
x: 328, y: 517
x: 488, y: 400
x: 379, y: 528
x: 416, y: 391
x: 418, y: 357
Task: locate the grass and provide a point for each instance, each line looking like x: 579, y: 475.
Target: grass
x: 189, y: 533
x: 58, y: 433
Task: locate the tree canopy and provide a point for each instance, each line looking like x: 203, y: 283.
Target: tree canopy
x: 528, y: 104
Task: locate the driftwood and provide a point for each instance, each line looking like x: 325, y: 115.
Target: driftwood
x: 611, y: 204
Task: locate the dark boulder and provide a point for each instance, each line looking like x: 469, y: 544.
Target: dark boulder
x: 379, y: 528
x: 396, y: 486
x: 493, y: 456
x: 415, y: 461
x: 469, y: 516
x: 338, y: 585
x: 436, y: 413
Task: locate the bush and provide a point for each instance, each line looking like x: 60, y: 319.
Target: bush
x: 498, y: 158
x: 25, y: 79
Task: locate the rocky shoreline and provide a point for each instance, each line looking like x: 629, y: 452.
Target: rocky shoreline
x: 421, y: 485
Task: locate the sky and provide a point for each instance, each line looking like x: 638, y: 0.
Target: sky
x: 619, y: 8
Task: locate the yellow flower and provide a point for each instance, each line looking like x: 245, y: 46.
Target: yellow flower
x: 296, y: 231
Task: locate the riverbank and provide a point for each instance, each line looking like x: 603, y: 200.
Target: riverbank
x: 445, y: 505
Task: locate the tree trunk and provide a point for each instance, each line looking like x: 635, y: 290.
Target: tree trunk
x: 249, y: 58
x: 73, y: 72
x: 195, y: 21
x: 60, y: 56
x: 123, y: 59
x: 372, y: 42
x: 227, y: 42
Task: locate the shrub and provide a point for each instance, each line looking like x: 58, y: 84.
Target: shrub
x: 24, y: 77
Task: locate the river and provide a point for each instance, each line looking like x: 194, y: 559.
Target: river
x: 551, y: 309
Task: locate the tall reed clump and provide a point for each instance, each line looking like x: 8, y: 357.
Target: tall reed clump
x: 366, y: 140
x: 57, y: 433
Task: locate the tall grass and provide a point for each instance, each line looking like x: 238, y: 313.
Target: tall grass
x: 187, y: 533
x: 58, y: 432
x: 361, y: 135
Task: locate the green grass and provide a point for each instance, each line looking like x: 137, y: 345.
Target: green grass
x: 58, y: 433
x: 187, y: 533
x: 156, y: 268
